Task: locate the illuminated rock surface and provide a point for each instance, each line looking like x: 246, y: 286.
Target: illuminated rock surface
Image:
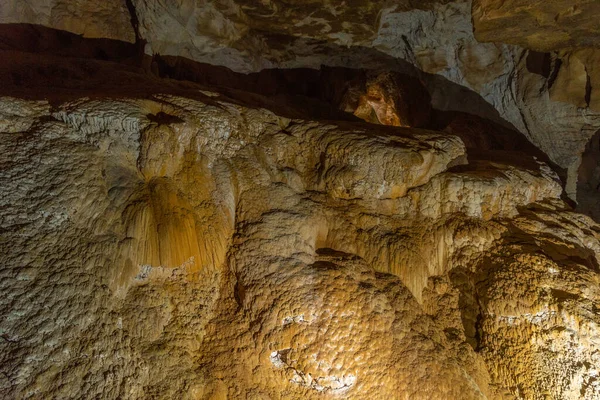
x: 293, y: 234
x: 546, y: 96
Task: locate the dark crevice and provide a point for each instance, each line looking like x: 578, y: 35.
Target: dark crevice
x: 588, y: 179
x: 135, y: 23
x: 162, y: 118
x: 554, y: 74
x: 539, y: 63
x: 239, y: 293
x: 140, y: 43
x: 588, y: 90
x: 407, y: 43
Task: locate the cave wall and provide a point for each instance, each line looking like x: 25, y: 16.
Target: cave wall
x: 557, y: 110
x: 180, y: 244
x: 173, y: 229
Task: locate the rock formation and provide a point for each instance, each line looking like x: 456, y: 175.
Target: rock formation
x: 543, y: 26
x: 395, y: 224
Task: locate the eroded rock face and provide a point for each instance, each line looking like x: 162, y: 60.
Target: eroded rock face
x: 543, y: 26
x: 555, y: 312
x: 170, y: 229
x: 163, y: 240
x: 547, y: 97
x: 434, y: 36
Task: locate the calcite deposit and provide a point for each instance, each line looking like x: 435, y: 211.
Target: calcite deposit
x: 527, y: 64
x: 402, y: 223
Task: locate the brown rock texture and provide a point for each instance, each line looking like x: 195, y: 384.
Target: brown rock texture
x: 173, y: 228
x: 163, y: 240
x: 92, y: 19
x: 539, y: 25
x: 484, y: 54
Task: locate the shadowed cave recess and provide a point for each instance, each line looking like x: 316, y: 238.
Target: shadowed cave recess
x: 286, y: 199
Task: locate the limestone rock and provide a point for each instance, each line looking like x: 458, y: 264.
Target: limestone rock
x: 576, y: 78
x: 546, y: 101
x: 105, y: 19
x: 556, y: 292
x: 543, y: 26
x: 176, y: 230
x: 148, y: 222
